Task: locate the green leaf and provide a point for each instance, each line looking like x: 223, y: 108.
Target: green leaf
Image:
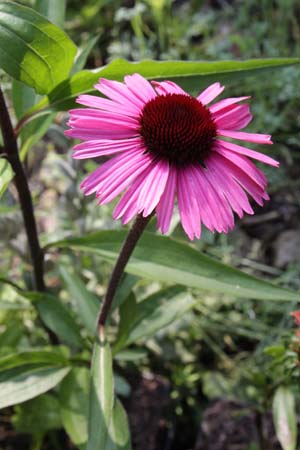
x: 27, y: 374
x: 119, y: 435
x: 101, y: 396
x: 6, y: 175
x: 124, y: 289
x: 32, y: 49
x: 38, y: 415
x: 25, y: 382
x: 190, y: 75
x: 284, y: 417
x: 74, y: 403
x: 83, y: 53
x: 17, y: 386
x: 34, y: 358
x: 54, y: 10
x: 158, y: 311
x: 144, y: 319
x: 170, y: 261
x: 56, y: 316
x: 86, y: 303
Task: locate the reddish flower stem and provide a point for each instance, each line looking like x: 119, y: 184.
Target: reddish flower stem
x: 126, y: 251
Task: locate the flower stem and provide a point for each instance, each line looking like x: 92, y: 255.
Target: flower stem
x: 11, y: 153
x: 128, y: 246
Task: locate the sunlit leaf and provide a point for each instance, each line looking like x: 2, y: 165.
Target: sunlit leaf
x: 32, y: 49
x: 167, y: 260
x: 189, y: 74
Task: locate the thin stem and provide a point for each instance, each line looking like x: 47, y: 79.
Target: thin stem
x: 133, y: 236
x: 11, y: 153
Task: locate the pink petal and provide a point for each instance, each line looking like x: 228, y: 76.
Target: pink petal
x: 231, y: 190
x: 187, y: 204
x: 107, y: 105
x: 140, y: 87
x: 153, y: 187
x: 210, y: 93
x: 235, y: 118
x: 165, y: 205
x: 106, y: 115
x: 121, y: 178
x: 128, y: 206
x: 108, y: 124
x: 96, y: 134
x: 91, y: 182
x: 93, y: 149
x: 168, y: 87
x: 213, y: 209
x: 255, y: 190
x: 120, y: 93
x: 225, y: 103
x: 248, y: 152
x: 244, y: 164
x: 249, y: 137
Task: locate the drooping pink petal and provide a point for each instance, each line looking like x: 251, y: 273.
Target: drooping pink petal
x: 140, y: 87
x: 168, y: 87
x: 91, y: 182
x: 93, y: 149
x: 165, y: 205
x: 249, y: 137
x: 235, y: 118
x: 128, y: 206
x: 244, y: 164
x: 121, y: 178
x: 248, y: 152
x: 153, y: 187
x: 214, y: 210
x: 107, y: 105
x: 222, y: 104
x: 254, y: 190
x: 187, y: 204
x: 230, y: 188
x: 210, y: 93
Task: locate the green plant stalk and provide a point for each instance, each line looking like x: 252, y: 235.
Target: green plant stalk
x: 126, y: 251
x: 11, y: 153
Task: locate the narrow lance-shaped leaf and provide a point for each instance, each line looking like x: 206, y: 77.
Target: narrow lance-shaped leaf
x: 26, y: 375
x: 167, y: 260
x: 101, y: 396
x: 191, y: 75
x: 284, y: 416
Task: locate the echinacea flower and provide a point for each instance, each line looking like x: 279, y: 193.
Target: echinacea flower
x: 167, y: 144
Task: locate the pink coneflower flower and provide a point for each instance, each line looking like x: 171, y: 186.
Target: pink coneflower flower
x: 167, y: 145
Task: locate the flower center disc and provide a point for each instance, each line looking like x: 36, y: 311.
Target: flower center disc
x: 178, y: 128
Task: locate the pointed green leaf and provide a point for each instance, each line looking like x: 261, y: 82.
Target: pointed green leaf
x: 167, y: 260
x: 119, y: 435
x: 85, y: 302
x: 56, y: 316
x: 101, y: 396
x: 191, y: 75
x: 74, y: 402
x: 284, y: 416
x: 32, y: 49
